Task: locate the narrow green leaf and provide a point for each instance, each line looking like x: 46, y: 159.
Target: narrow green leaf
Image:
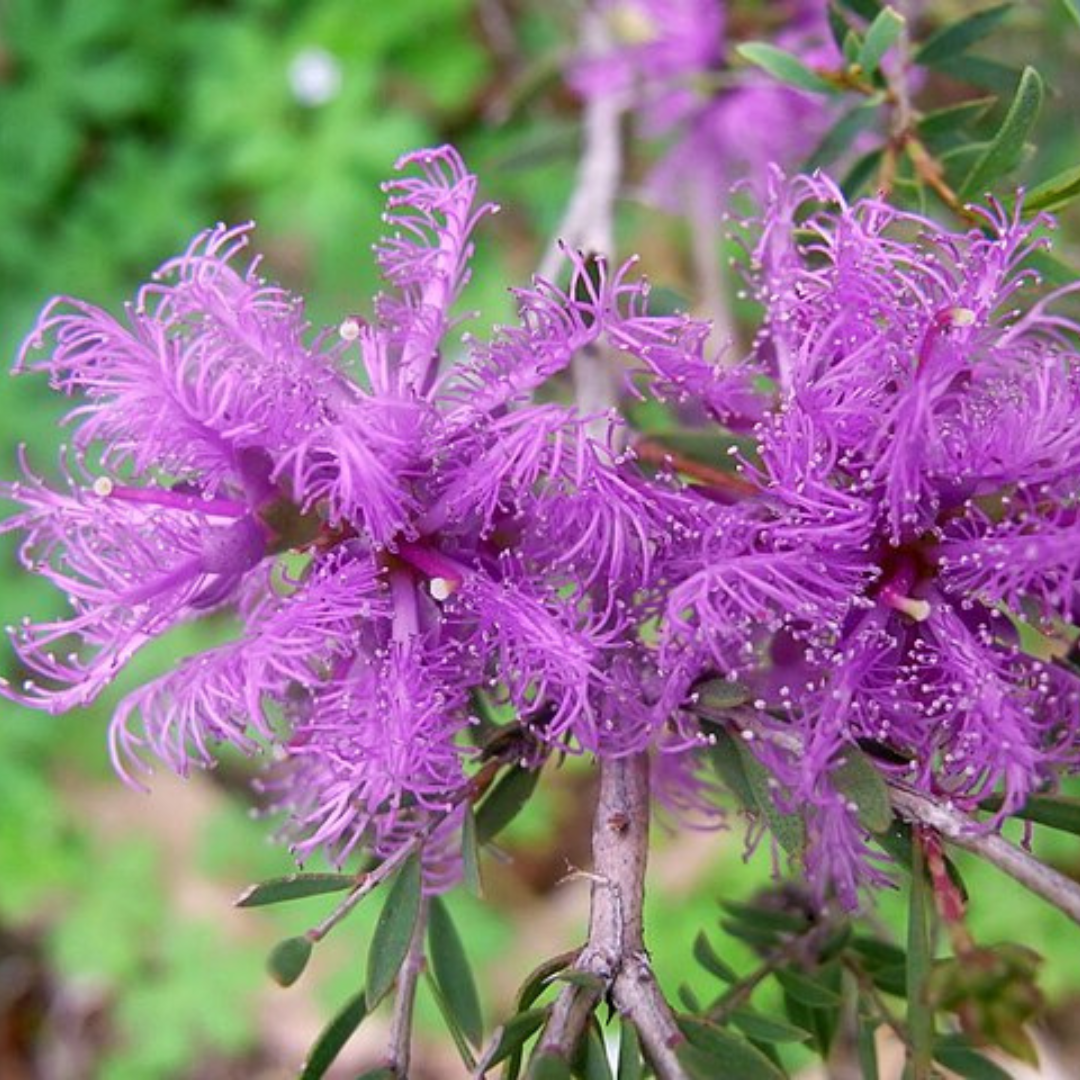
x: 920, y: 1017
x: 784, y: 66
x: 1053, y: 194
x: 549, y: 1067
x: 451, y: 969
x: 867, y: 1048
x: 842, y: 134
x: 985, y: 73
x: 706, y: 956
x: 861, y: 172
x: 1073, y: 9
x: 631, y: 1066
x: 452, y: 1026
x: 688, y: 998
x: 881, y: 36
x: 293, y: 887
x: 765, y: 918
x: 788, y: 828
x: 949, y: 120
x: 585, y: 979
x: 394, y: 930
x: 591, y: 1061
x: 541, y: 977
x: 957, y: 1054
x: 288, y: 959
x: 944, y: 46
x: 807, y: 990
x: 470, y: 854
x: 839, y: 27
x: 711, y: 1047
x: 868, y: 9
x: 334, y: 1037
x: 515, y: 1033
x: 719, y: 695
x: 726, y: 760
x: 380, y: 1073
x: 767, y: 1029
x: 504, y: 802
x: 876, y: 953
x: 1006, y: 147
x: 860, y: 782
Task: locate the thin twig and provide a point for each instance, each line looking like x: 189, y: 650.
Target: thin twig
x: 615, y: 951
x: 965, y: 832
x: 954, y: 825
x: 397, y: 1057
x: 367, y: 883
x: 588, y: 221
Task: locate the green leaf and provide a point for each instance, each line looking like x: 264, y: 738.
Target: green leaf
x: 712, y: 1052
x: 706, y: 956
x: 1007, y: 146
x: 920, y: 1017
x: 630, y: 1066
x: 867, y: 9
x: 470, y: 854
x: 788, y: 828
x: 719, y: 695
x: 859, y: 173
x: 294, y: 887
x: 452, y: 1025
x: 1053, y: 194
x: 841, y: 135
x: 549, y: 1067
x: 515, y: 1033
x: 380, y: 1073
x: 334, y: 1037
x: 726, y: 760
x: 504, y: 802
x: 784, y: 66
x: 585, y: 979
x: 943, y: 47
x: 452, y: 972
x: 957, y: 1054
x: 985, y: 73
x: 949, y: 120
x: 881, y: 36
x: 288, y: 959
x: 867, y: 1048
x: 1073, y: 9
x: 860, y: 782
x: 807, y: 990
x: 764, y: 918
x: 541, y: 977
x: 766, y: 1029
x: 394, y: 930
x: 591, y: 1061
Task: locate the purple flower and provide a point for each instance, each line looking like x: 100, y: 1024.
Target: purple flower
x: 445, y: 535
x: 918, y: 477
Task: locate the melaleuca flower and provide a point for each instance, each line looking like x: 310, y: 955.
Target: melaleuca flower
x: 445, y: 535
x: 918, y: 474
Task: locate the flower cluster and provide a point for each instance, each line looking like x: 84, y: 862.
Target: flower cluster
x: 398, y: 530
x: 904, y: 576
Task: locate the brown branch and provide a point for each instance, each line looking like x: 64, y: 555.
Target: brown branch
x: 653, y: 452
x: 954, y: 825
x: 615, y: 951
x: 397, y: 1057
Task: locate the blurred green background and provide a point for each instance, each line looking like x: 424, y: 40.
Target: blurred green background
x: 125, y: 128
